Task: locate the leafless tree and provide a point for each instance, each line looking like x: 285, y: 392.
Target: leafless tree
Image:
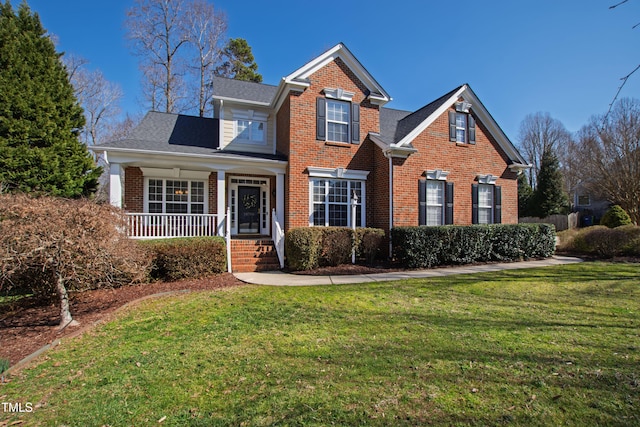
x: 99, y: 98
x: 158, y: 33
x: 206, y: 30
x: 538, y: 132
x: 609, y: 153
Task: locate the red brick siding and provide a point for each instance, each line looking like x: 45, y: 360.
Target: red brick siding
x: 464, y: 162
x: 304, y: 150
x: 133, y: 190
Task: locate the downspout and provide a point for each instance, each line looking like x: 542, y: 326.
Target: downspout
x: 387, y: 154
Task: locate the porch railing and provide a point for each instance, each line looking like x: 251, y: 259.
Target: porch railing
x: 162, y: 226
x: 277, y: 234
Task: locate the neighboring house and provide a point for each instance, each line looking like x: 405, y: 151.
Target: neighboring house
x: 296, y: 154
x: 591, y: 206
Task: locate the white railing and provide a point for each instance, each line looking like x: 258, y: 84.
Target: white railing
x: 163, y: 226
x: 278, y: 237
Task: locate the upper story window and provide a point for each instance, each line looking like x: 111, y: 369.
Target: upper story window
x: 250, y: 126
x: 584, y: 200
x: 337, y: 117
x: 250, y: 130
x: 462, y: 125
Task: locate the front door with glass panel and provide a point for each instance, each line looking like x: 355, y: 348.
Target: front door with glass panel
x: 248, y: 210
x: 249, y: 199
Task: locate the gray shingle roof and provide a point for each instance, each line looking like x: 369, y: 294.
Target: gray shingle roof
x: 396, y: 124
x: 178, y: 134
x: 246, y: 91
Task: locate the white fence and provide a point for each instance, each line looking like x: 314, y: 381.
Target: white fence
x: 561, y: 222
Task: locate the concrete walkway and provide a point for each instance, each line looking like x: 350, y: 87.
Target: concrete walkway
x: 278, y: 278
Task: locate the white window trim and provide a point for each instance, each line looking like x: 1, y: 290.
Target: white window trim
x: 442, y: 205
x: 361, y: 202
x: 251, y: 116
x: 338, y: 93
x: 436, y: 175
x: 347, y: 123
x: 487, y: 179
x: 164, y: 179
x: 491, y: 205
x: 338, y: 173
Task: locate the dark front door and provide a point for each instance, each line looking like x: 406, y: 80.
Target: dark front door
x: 248, y: 210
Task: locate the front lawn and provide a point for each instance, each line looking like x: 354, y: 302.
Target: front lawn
x: 550, y: 346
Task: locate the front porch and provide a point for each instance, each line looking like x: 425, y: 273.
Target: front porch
x: 244, y: 252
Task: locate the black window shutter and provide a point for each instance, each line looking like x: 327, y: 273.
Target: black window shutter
x: 474, y: 203
x: 422, y: 202
x: 448, y: 209
x: 452, y: 126
x: 472, y: 129
x: 497, y: 204
x: 321, y: 119
x: 355, y: 123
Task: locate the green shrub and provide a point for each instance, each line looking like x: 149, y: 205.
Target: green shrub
x: 337, y: 244
x: 302, y: 246
x: 426, y: 247
x: 187, y: 258
x: 368, y: 242
x: 311, y: 247
x: 615, y: 217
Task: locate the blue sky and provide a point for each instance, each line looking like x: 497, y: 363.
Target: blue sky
x: 519, y: 56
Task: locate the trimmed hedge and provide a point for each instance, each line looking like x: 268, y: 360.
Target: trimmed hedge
x: 426, y: 247
x: 187, y: 258
x: 312, y: 247
x: 615, y: 217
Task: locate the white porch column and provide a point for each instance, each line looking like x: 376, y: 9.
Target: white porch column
x: 115, y: 185
x: 221, y: 209
x: 280, y: 198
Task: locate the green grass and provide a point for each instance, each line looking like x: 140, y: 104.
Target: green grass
x: 550, y: 346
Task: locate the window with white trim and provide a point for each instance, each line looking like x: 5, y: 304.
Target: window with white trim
x: 251, y: 130
x: 485, y: 204
x: 338, y: 119
x: 435, y: 202
x: 331, y: 202
x: 461, y: 127
x: 175, y: 196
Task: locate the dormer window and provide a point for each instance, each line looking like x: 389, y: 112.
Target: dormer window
x: 250, y: 126
x: 250, y: 130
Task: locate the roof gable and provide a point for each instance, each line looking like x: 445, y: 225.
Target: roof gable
x: 299, y: 79
x: 414, y: 124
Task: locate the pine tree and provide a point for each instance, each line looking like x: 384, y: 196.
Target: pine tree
x: 549, y: 198
x: 525, y: 194
x: 40, y: 118
x: 240, y: 63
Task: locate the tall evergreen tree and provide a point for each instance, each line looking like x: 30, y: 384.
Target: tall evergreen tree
x: 525, y: 194
x: 549, y: 197
x: 239, y: 62
x: 40, y: 118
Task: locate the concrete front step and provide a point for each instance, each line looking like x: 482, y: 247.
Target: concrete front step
x: 249, y: 255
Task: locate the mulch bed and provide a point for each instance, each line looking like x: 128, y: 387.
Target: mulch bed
x: 27, y: 325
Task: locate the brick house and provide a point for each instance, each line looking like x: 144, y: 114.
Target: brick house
x: 301, y: 153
